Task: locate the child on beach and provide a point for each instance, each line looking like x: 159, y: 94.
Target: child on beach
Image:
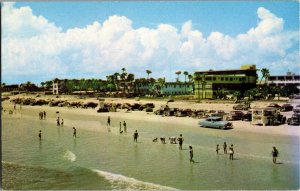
x: 74, y: 132
x: 275, y: 154
x: 191, y: 154
x: 217, y: 149
x: 40, y: 135
x: 62, y: 122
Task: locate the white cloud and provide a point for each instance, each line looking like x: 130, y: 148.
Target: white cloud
x: 33, y: 45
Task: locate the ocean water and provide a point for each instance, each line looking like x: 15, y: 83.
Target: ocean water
x: 102, y: 160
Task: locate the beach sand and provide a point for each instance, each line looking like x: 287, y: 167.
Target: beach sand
x: 238, y: 126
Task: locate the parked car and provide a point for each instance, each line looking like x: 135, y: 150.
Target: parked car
x: 274, y: 105
x: 215, y: 122
x: 286, y: 107
x: 294, y: 120
x: 247, y: 116
x: 235, y: 115
x: 241, y: 107
x: 296, y: 109
x: 181, y: 113
x: 170, y: 112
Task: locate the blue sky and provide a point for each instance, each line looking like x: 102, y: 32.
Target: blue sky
x: 44, y: 40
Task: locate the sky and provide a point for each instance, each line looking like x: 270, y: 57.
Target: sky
x: 45, y: 40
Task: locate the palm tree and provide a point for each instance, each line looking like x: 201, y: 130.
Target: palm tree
x: 190, y: 76
x: 178, y: 73
x: 148, y: 72
x: 185, y: 74
x: 265, y: 73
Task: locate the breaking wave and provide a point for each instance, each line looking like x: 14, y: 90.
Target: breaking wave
x: 119, y: 181
x: 70, y: 156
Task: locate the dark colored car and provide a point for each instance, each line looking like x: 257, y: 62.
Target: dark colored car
x: 286, y: 107
x: 274, y: 105
x: 294, y: 120
x: 247, y: 116
x: 170, y: 112
x: 235, y: 115
x: 181, y: 113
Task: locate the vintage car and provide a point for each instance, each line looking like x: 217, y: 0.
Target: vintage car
x: 170, y: 112
x: 247, y: 116
x: 294, y: 120
x: 286, y: 107
x: 215, y: 122
x: 241, y: 107
x: 296, y: 109
x: 235, y: 115
x: 181, y: 113
x: 274, y: 105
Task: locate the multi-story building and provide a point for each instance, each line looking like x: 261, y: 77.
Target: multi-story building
x: 207, y: 83
x: 177, y: 88
x: 283, y: 80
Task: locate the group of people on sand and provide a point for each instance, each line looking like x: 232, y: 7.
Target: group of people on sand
x: 231, y: 151
x: 59, y: 122
x: 42, y: 115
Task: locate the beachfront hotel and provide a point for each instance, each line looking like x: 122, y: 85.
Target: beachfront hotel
x: 207, y: 83
x: 284, y: 80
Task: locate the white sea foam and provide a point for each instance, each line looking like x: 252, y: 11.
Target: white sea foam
x: 70, y: 156
x: 123, y: 182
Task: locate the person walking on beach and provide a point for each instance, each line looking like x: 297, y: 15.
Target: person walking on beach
x: 225, y: 148
x: 14, y: 106
x: 74, y: 132
x: 58, y: 122
x: 108, y: 121
x: 191, y: 154
x: 275, y: 154
x: 231, y: 152
x: 135, y: 136
x: 62, y: 123
x: 180, y: 141
x: 40, y: 135
x: 44, y: 115
x: 217, y: 149
x: 125, y: 128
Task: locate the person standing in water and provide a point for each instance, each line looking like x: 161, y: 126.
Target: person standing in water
x: 231, y: 152
x: 135, y: 136
x: 58, y: 122
x: 40, y: 135
x: 62, y: 122
x: 191, y: 154
x: 180, y: 141
x: 275, y: 154
x: 74, y: 132
x: 44, y: 115
x: 225, y: 148
x: 125, y: 128
x: 217, y: 149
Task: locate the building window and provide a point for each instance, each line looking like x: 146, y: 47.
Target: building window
x: 222, y: 79
x: 230, y: 79
x: 214, y: 78
x: 208, y: 78
x: 226, y: 79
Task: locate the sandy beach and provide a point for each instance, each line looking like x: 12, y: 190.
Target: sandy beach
x: 238, y: 126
